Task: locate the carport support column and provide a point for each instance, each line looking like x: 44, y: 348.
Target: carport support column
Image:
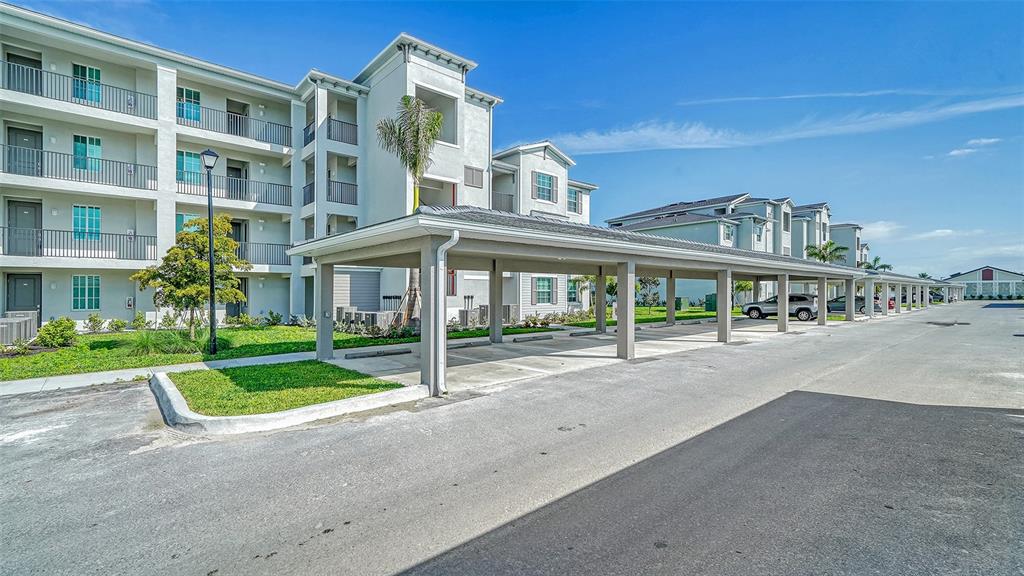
x: 869, y: 298
x: 670, y: 299
x: 625, y: 313
x: 783, y: 315
x: 601, y: 301
x: 851, y: 299
x: 886, y: 294
x: 432, y: 334
x: 724, y: 306
x: 323, y: 310
x: 822, y: 301
x: 899, y: 298
x: 756, y: 296
x: 495, y: 308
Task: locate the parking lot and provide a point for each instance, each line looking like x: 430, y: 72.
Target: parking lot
x: 791, y: 444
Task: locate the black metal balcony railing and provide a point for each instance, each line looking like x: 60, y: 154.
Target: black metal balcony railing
x: 39, y: 243
x: 262, y: 253
x: 309, y: 133
x: 342, y: 131
x: 60, y: 166
x: 234, y: 124
x: 308, y: 193
x: 235, y: 188
x: 342, y: 192
x: 55, y: 86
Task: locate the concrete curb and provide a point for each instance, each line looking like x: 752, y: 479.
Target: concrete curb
x: 178, y: 415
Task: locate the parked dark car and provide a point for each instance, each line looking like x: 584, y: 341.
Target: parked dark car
x: 838, y: 304
x: 803, y: 306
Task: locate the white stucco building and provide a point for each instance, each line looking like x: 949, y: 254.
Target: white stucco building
x: 989, y: 282
x: 101, y: 139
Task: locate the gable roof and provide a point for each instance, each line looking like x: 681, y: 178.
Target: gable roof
x: 958, y: 274
x: 810, y: 207
x: 673, y: 220
x: 679, y: 207
x: 525, y: 148
x: 414, y: 43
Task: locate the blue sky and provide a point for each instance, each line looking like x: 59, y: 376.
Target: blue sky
x: 907, y: 118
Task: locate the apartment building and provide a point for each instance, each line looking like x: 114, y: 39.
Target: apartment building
x: 989, y: 282
x: 810, y: 226
x: 101, y: 140
x: 848, y: 236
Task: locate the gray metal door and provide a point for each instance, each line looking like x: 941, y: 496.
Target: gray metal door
x: 24, y: 74
x: 25, y: 294
x: 357, y: 288
x: 24, y: 237
x: 24, y: 152
x: 235, y: 308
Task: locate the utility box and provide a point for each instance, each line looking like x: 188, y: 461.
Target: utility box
x: 711, y: 303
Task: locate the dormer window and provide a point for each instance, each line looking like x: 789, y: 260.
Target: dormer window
x: 544, y: 187
x: 721, y: 211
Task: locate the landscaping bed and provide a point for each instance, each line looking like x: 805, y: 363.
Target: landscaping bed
x: 272, y: 387
x: 123, y: 350
x: 646, y: 315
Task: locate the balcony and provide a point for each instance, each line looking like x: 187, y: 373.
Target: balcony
x: 39, y: 243
x: 342, y: 192
x: 309, y: 133
x: 235, y: 124
x: 60, y: 166
x: 504, y: 202
x: 341, y: 131
x: 28, y: 80
x: 194, y: 183
x: 264, y: 254
x: 308, y: 194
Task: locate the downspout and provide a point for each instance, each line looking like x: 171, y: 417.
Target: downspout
x: 441, y: 320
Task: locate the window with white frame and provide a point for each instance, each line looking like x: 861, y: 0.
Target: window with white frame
x: 727, y: 233
x: 572, y: 291
x: 85, y: 222
x: 544, y: 186
x: 573, y: 201
x: 759, y: 232
x: 86, y: 83
x: 787, y: 221
x: 85, y: 292
x: 543, y: 290
x: 182, y: 220
x: 189, y: 104
x: 824, y: 232
x: 88, y: 152
x: 770, y: 211
x: 189, y: 167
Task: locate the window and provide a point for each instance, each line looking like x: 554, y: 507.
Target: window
x: 452, y: 284
x: 85, y: 292
x: 787, y: 221
x: 190, y: 167
x: 189, y: 104
x: 544, y: 186
x: 88, y: 152
x: 572, y: 291
x: 85, y: 222
x: 786, y: 251
x: 721, y: 211
x: 770, y: 211
x: 474, y: 177
x: 86, y: 84
x: 987, y: 274
x: 759, y: 232
x: 824, y: 232
x: 572, y: 201
x: 543, y: 291
x: 726, y: 232
x: 180, y: 220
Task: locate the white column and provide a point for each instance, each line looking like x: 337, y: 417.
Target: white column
x: 320, y: 165
x: 494, y: 300
x: 166, y: 158
x: 625, y: 302
x: 600, y: 301
x: 926, y: 292
x: 899, y: 298
x: 323, y: 310
x: 851, y: 299
x: 297, y: 230
x: 783, y: 294
x: 724, y: 314
x: 757, y: 289
x: 886, y: 294
x: 822, y: 301
x: 869, y: 298
x: 670, y: 299
x: 430, y: 336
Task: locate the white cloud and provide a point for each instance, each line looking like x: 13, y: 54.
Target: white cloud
x: 983, y: 141
x: 654, y: 135
x: 962, y: 152
x: 821, y: 95
x: 945, y: 233
x: 881, y: 229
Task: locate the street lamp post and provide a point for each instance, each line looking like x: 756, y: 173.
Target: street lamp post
x: 209, y: 161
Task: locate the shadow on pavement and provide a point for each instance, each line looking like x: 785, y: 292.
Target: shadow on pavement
x: 807, y: 484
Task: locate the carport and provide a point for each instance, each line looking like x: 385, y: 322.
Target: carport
x: 897, y: 286
x: 469, y: 238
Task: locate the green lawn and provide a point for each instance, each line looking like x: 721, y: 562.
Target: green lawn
x: 100, y: 352
x: 655, y: 314
x: 272, y: 388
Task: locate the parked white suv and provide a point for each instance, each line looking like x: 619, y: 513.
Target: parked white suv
x: 803, y: 306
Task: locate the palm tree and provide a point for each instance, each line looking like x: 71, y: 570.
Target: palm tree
x: 411, y: 136
x: 876, y: 264
x: 829, y: 252
x: 924, y: 275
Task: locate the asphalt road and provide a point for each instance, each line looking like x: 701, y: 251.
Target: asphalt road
x: 888, y: 447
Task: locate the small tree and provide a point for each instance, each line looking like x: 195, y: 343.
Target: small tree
x: 740, y: 286
x: 875, y: 264
x: 182, y: 279
x: 648, y: 289
x: 829, y: 252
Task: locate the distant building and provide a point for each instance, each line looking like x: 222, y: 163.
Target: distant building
x: 989, y: 281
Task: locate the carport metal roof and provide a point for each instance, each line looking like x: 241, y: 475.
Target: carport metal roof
x: 546, y: 244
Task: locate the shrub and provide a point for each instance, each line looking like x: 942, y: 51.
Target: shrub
x: 161, y: 342
x: 272, y: 319
x: 19, y: 347
x: 57, y: 333
x: 116, y: 325
x: 94, y: 323
x: 301, y: 320
x: 139, y: 322
x: 169, y: 320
